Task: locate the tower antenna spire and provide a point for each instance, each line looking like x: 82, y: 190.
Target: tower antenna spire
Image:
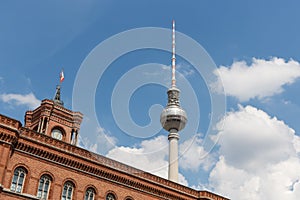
x: 173, y: 56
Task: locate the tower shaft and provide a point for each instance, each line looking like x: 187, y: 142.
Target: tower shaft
x: 173, y: 138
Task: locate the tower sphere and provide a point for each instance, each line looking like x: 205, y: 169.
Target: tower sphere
x: 173, y: 116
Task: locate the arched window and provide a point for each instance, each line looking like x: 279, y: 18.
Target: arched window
x: 17, y: 182
x: 44, y: 187
x: 89, y: 194
x: 110, y: 196
x: 67, y: 192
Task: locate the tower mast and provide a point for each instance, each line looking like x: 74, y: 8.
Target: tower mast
x: 173, y: 55
x: 173, y: 118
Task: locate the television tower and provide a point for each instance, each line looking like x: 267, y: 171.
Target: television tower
x: 173, y: 118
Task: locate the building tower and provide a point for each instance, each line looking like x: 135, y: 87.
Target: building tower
x: 51, y: 118
x: 173, y: 118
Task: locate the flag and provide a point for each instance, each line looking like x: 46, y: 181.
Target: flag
x: 61, y: 76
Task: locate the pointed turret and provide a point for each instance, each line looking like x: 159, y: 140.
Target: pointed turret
x: 57, y: 97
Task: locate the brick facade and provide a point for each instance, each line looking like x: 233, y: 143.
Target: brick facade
x: 32, y: 148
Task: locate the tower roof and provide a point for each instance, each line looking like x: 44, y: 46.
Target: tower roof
x: 57, y: 96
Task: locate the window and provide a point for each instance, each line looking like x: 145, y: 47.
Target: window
x: 17, y: 182
x: 89, y: 194
x: 67, y: 192
x: 110, y: 196
x: 44, y: 185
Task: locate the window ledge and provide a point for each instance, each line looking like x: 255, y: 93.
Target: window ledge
x: 26, y: 196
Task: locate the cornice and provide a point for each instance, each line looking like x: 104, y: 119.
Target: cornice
x: 9, y: 122
x: 96, y: 172
x: 60, y: 108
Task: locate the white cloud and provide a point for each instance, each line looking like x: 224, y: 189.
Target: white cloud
x: 193, y: 155
x: 185, y: 69
x: 234, y: 183
x: 258, y: 157
x: 104, y: 141
x: 157, y: 70
x: 297, y: 144
x: 182, y: 69
x: 166, y: 67
x: 150, y: 156
x: 258, y: 138
x: 18, y: 99
x: 277, y: 181
x: 260, y: 79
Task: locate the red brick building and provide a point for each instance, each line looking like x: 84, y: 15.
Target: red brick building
x: 40, y: 160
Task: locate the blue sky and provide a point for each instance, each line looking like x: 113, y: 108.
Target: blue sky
x: 252, y: 46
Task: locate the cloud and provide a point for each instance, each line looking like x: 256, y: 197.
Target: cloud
x: 104, y: 141
x: 259, y: 138
x: 260, y: 79
x: 185, y: 69
x: 157, y: 70
x: 258, y: 157
x: 147, y: 156
x: 297, y: 144
x: 28, y: 100
x: 193, y: 155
